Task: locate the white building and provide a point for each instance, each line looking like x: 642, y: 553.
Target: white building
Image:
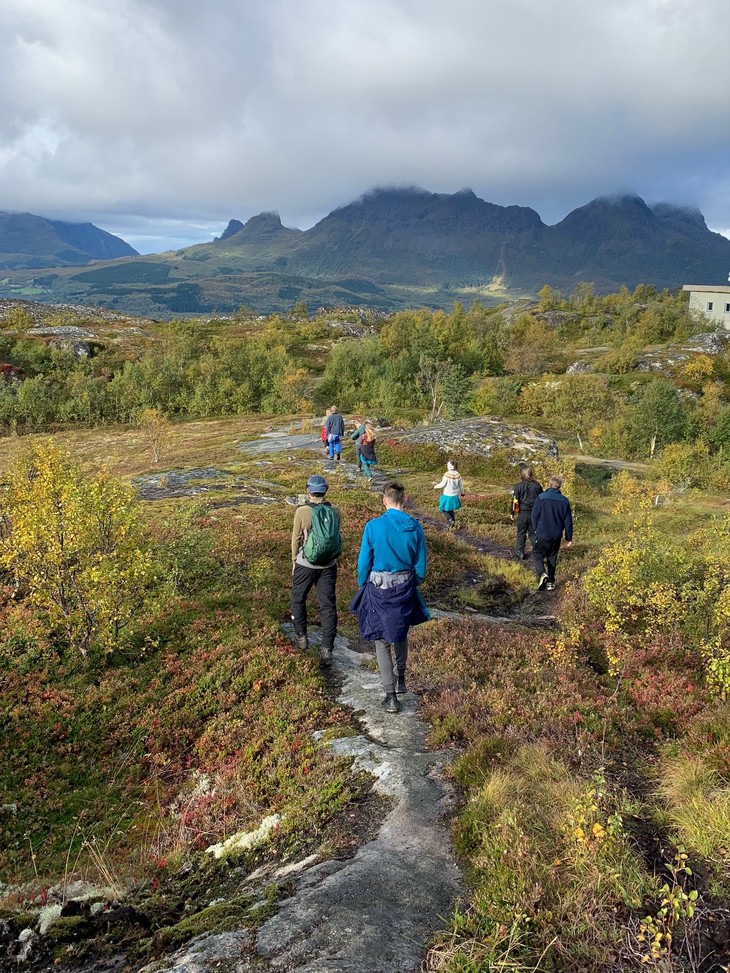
x: 712, y: 300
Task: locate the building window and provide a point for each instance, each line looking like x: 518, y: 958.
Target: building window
x: 710, y: 305
x: 727, y: 309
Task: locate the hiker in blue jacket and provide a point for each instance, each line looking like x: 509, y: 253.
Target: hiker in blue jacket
x: 391, y: 565
x: 551, y: 518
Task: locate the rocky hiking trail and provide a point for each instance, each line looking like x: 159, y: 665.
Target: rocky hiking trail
x: 376, y: 911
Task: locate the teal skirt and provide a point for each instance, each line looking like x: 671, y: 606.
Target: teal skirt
x: 448, y: 503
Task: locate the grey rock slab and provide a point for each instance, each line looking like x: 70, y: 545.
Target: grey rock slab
x: 62, y: 331
x: 225, y: 952
x: 282, y: 442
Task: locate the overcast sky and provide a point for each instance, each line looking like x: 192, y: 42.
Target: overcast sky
x: 161, y: 119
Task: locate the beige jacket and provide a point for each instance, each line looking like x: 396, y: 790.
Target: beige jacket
x: 300, y: 529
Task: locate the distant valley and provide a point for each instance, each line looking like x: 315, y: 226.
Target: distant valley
x: 390, y: 249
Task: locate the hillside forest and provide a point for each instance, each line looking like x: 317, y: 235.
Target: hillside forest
x: 154, y: 702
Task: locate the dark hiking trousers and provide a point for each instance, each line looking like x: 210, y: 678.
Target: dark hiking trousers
x: 325, y: 580
x: 524, y: 529
x: 545, y: 554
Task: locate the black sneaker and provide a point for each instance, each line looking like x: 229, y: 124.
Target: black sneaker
x: 550, y: 586
x: 325, y: 654
x: 303, y: 642
x: 542, y: 582
x: 400, y: 684
x: 390, y: 703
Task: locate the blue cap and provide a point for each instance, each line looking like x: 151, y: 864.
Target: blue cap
x: 316, y: 484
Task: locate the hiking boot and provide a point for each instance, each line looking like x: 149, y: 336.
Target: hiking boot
x: 550, y: 586
x: 303, y: 642
x: 542, y: 582
x: 325, y: 654
x: 400, y: 683
x: 390, y: 703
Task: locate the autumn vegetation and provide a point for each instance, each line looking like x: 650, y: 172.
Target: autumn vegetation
x: 155, y: 705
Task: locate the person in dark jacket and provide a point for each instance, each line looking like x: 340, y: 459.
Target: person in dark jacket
x: 391, y: 566
x: 524, y: 496
x: 335, y: 429
x: 551, y: 518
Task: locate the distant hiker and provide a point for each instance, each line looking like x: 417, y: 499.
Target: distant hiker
x: 391, y: 565
x: 356, y: 435
x: 316, y: 544
x: 323, y: 434
x: 551, y: 518
x: 368, y: 458
x: 335, y: 427
x: 450, y: 500
x: 524, y: 495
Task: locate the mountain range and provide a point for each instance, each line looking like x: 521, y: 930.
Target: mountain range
x: 32, y: 242
x: 395, y: 248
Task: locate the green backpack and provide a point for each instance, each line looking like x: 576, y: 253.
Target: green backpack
x: 324, y: 542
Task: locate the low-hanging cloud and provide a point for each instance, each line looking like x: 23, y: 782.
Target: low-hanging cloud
x: 144, y: 112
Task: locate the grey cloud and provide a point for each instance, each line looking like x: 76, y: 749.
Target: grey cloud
x: 194, y: 112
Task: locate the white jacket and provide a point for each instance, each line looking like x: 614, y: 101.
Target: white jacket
x: 452, y: 484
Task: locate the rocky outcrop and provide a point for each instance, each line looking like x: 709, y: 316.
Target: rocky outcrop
x: 670, y: 357
x: 482, y: 437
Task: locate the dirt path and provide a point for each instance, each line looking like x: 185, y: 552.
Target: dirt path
x: 377, y: 911
x: 485, y: 545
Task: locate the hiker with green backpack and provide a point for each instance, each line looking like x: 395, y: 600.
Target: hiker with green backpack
x: 316, y: 543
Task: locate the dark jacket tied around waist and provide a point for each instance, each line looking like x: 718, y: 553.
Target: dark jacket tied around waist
x: 387, y: 613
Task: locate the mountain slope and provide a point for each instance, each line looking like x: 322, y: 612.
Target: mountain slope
x: 617, y: 240
x: 28, y: 241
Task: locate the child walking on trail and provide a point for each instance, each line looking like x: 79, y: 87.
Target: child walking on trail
x: 356, y: 435
x: 323, y: 434
x: 368, y: 458
x: 450, y: 500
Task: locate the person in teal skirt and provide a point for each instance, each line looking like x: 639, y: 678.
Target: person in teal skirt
x: 450, y: 500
